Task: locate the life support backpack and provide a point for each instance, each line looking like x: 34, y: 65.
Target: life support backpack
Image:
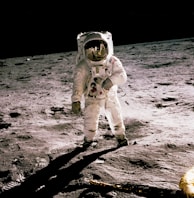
x: 83, y: 38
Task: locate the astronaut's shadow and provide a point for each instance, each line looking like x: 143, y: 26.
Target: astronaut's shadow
x: 52, y: 179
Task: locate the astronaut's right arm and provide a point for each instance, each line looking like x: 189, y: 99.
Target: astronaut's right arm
x: 80, y: 77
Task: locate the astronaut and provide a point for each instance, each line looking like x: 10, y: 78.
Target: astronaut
x: 97, y: 75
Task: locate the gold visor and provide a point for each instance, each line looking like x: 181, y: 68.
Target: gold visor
x: 96, y: 50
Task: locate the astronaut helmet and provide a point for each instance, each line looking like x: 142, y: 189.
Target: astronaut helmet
x: 96, y: 50
x: 94, y: 46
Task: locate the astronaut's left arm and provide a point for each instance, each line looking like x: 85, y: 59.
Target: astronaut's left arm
x: 119, y: 75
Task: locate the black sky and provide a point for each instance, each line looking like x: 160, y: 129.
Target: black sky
x: 36, y: 28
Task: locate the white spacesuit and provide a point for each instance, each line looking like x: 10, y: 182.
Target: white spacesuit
x: 97, y: 75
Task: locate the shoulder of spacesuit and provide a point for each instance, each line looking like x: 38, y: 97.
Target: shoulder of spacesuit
x: 82, y: 67
x: 113, y: 59
x: 82, y: 63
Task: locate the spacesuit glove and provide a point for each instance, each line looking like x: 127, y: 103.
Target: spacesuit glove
x: 76, y: 107
x: 107, y: 84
